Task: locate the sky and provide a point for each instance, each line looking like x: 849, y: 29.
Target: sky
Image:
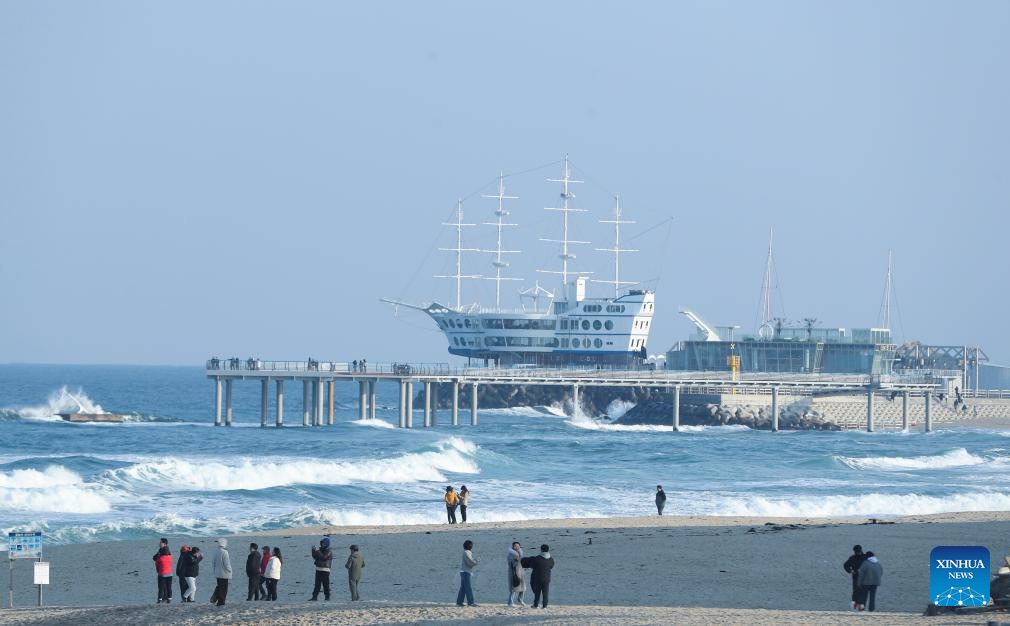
x: 181, y: 180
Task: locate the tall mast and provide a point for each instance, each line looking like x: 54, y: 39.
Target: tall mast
x: 566, y: 196
x: 617, y: 250
x: 498, y: 263
x: 766, y: 328
x: 459, y: 250
x: 885, y: 305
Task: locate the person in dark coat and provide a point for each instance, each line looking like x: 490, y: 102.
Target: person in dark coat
x: 253, y: 571
x: 660, y: 498
x: 183, y: 585
x: 540, y: 579
x: 870, y: 574
x: 322, y: 558
x: 190, y: 570
x: 852, y: 567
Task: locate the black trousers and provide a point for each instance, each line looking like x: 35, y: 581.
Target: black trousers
x: 220, y: 592
x: 462, y: 511
x: 868, y: 596
x: 540, y: 588
x: 263, y: 588
x: 254, y: 588
x: 271, y: 588
x: 182, y: 588
x: 322, y: 584
x: 451, y: 513
x: 164, y: 588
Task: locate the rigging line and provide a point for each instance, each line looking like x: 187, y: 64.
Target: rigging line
x: 424, y: 261
x: 648, y: 230
x: 591, y: 181
x: 897, y: 308
x: 494, y: 181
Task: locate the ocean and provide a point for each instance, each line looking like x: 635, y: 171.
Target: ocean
x: 168, y: 471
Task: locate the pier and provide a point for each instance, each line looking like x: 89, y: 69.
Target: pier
x: 319, y: 380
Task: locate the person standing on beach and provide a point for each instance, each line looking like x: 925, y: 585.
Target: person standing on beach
x: 190, y: 562
x: 870, y: 573
x: 322, y: 558
x: 466, y: 568
x: 660, y: 498
x: 263, y: 572
x: 183, y: 585
x: 852, y: 567
x: 464, y: 501
x: 540, y: 579
x: 163, y: 565
x: 252, y: 570
x: 222, y: 572
x: 355, y: 563
x: 451, y: 502
x: 516, y: 583
x: 273, y: 574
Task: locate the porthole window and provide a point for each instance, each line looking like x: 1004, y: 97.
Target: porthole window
x: 467, y: 322
x: 598, y: 342
x: 597, y: 325
x: 452, y: 324
x: 608, y: 325
x: 585, y: 324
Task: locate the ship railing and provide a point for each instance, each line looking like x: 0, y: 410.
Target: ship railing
x: 355, y: 366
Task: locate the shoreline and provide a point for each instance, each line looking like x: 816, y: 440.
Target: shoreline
x: 635, y: 570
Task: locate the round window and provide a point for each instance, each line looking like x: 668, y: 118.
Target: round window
x: 608, y: 325
x: 467, y: 322
x: 598, y: 342
x: 585, y: 324
x: 597, y: 325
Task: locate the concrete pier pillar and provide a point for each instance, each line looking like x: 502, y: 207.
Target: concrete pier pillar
x: 904, y: 410
x: 455, y: 403
x: 775, y: 409
x: 434, y: 404
x: 676, y: 408
x: 410, y: 404
x: 333, y: 389
x: 427, y: 404
x: 217, y: 401
x: 306, y: 401
x: 403, y: 403
x: 371, y: 399
x: 473, y: 404
x: 576, y: 411
x: 362, y: 399
x: 227, y: 399
x: 928, y: 426
x: 280, y: 402
x: 869, y: 411
x: 264, y: 401
x: 319, y: 402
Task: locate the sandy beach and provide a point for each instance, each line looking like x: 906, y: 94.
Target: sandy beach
x: 640, y: 570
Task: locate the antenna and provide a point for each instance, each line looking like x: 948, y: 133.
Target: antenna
x: 885, y: 305
x: 617, y: 250
x: 459, y: 250
x: 498, y: 263
x: 767, y: 328
x: 566, y: 196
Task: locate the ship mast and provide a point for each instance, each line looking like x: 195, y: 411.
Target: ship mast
x: 885, y: 306
x: 766, y: 328
x: 617, y: 250
x: 566, y: 196
x: 498, y: 263
x: 459, y: 250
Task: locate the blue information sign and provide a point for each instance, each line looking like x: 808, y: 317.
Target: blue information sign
x: 24, y: 545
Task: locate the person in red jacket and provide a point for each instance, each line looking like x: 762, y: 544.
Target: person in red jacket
x: 163, y: 565
x: 263, y: 571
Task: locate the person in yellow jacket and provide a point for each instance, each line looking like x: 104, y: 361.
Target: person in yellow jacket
x: 451, y: 502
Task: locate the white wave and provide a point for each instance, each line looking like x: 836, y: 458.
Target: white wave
x: 61, y: 401
x: 453, y: 455
x: 376, y: 423
x: 958, y: 457
x: 869, y: 504
x: 590, y: 424
x: 54, y: 489
x: 618, y: 408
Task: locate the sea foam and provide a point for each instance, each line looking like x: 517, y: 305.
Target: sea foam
x: 958, y: 457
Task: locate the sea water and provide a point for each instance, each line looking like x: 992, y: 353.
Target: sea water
x: 169, y: 470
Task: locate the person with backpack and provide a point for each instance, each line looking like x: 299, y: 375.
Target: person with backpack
x: 322, y: 558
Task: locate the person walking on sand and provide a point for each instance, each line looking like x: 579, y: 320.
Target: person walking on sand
x: 179, y: 562
x: 516, y: 583
x: 451, y: 502
x: 540, y: 579
x: 163, y: 566
x: 464, y: 501
x: 263, y: 572
x: 870, y: 573
x: 190, y: 571
x: 253, y: 572
x: 466, y: 568
x: 222, y: 572
x: 322, y: 558
x: 355, y: 563
x: 273, y: 574
x: 851, y: 566
x: 660, y: 498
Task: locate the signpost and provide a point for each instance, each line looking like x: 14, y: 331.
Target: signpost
x: 26, y: 546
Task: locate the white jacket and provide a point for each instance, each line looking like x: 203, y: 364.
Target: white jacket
x: 273, y: 569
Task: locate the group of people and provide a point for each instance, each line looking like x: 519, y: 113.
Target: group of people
x: 454, y: 500
x: 263, y: 572
x: 866, y: 572
x: 540, y: 576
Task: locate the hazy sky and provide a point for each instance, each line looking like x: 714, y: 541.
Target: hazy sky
x: 186, y: 179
